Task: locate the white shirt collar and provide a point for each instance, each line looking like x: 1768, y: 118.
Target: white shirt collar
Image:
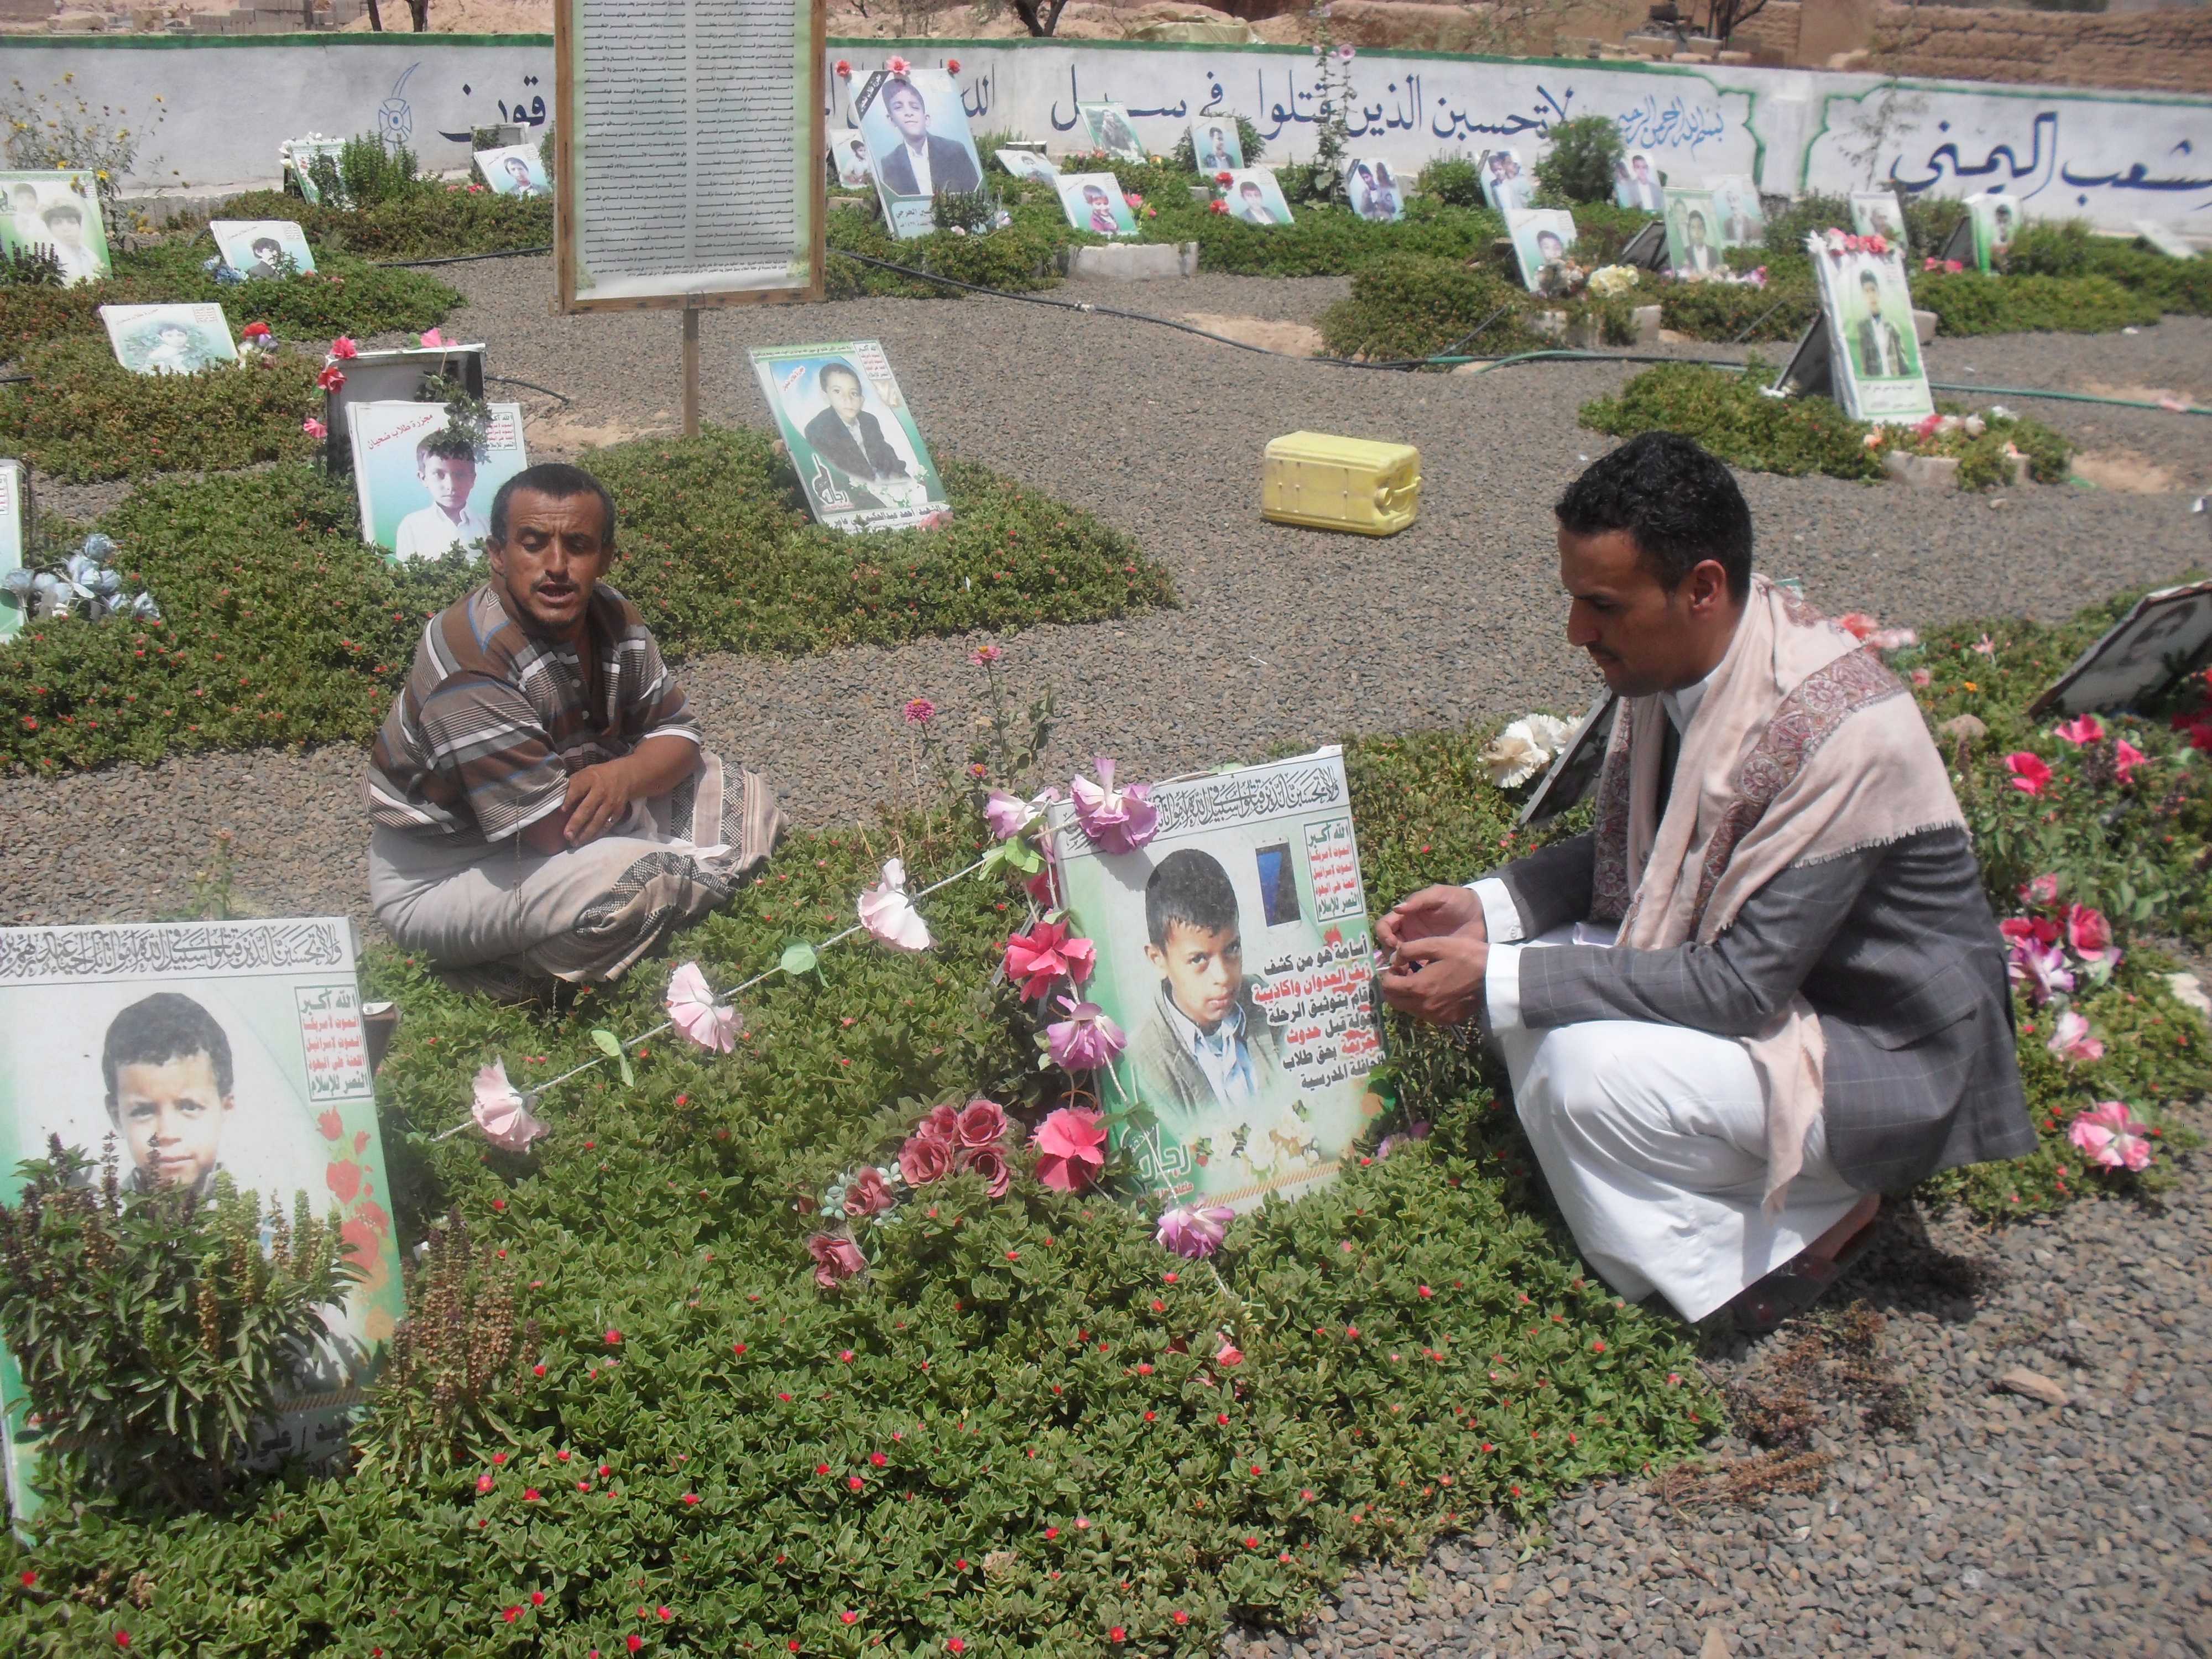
x: 1681, y: 706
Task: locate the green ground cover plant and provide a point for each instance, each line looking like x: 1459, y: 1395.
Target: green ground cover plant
x: 436, y: 221
x: 280, y: 627
x: 1730, y: 415
x: 1411, y: 306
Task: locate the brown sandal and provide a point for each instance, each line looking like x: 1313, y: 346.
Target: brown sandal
x: 1797, y: 1284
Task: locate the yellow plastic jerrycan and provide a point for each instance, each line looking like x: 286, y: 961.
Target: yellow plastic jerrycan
x: 1340, y: 483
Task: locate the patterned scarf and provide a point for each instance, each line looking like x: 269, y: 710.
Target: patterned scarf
x: 1804, y: 749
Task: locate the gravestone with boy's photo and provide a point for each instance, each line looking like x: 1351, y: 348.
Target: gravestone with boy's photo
x: 426, y: 478
x: 851, y: 437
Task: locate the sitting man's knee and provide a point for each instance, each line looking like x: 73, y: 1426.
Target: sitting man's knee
x: 1583, y: 1075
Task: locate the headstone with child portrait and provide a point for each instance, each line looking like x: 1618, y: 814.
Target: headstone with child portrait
x: 915, y: 128
x: 1873, y: 349
x: 426, y: 474
x: 851, y: 437
x: 169, y: 339
x: 2164, y: 636
x: 56, y: 214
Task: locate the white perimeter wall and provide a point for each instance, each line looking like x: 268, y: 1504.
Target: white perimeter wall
x: 2112, y: 157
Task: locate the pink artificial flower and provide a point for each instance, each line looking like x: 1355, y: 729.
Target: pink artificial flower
x: 2088, y: 930
x: 844, y: 70
x: 889, y: 915
x: 1953, y: 267
x: 1921, y: 676
x: 952, y: 66
x: 868, y: 1193
x: 1085, y: 1039
x: 920, y: 712
x: 1007, y: 815
x: 1344, y: 54
x: 1218, y: 205
x: 981, y: 1124
x: 435, y: 340
x: 1864, y: 628
x: 1228, y: 1354
x: 331, y: 379
x: 1045, y: 953
x: 895, y: 66
x: 1117, y: 820
x: 2125, y: 758
x: 926, y: 1158
x: 1071, y: 1146
x: 1133, y: 201
x: 1986, y: 646
x: 342, y: 348
x: 2072, y: 1042
x: 837, y: 1259
x: 989, y: 1163
x: 1193, y: 1232
x: 2082, y: 728
x: 2041, y: 969
x: 314, y: 428
x: 1039, y: 886
x: 1930, y: 262
x: 2044, y: 890
x: 256, y: 331
x: 2111, y: 1137
x: 2199, y: 724
x: 943, y: 1121
x: 1406, y: 1137
x: 1224, y: 178
x: 691, y: 1007
x: 503, y: 1113
x: 2029, y: 773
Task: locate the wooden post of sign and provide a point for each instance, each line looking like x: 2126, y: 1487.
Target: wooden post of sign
x: 690, y: 370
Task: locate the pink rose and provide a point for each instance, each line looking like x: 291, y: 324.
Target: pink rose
x: 2088, y: 930
x: 924, y: 1158
x: 868, y: 1193
x: 836, y: 1259
x: 2044, y: 890
x: 990, y: 1163
x: 343, y: 348
x: 943, y: 1121
x: 983, y: 1124
x: 1071, y: 1146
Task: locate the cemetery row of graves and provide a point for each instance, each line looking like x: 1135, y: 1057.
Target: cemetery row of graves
x: 829, y: 1287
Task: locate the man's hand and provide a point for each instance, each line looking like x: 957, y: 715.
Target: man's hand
x: 1439, y: 979
x: 1432, y: 913
x: 600, y: 796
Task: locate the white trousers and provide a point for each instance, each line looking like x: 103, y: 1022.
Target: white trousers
x: 1653, y: 1139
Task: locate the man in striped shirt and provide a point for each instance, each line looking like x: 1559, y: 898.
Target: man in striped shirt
x: 544, y: 805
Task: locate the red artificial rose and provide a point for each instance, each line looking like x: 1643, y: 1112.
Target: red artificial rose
x: 924, y: 1158
x: 983, y: 1124
x: 836, y: 1259
x: 2088, y: 930
x: 990, y: 1163
x: 943, y: 1121
x: 868, y: 1193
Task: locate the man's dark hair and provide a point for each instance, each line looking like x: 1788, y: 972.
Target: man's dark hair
x: 164, y: 1027
x: 1190, y: 887
x: 561, y: 481
x: 1678, y: 504
x: 447, y: 444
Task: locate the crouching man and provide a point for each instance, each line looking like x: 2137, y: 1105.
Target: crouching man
x: 544, y: 808
x: 1766, y: 985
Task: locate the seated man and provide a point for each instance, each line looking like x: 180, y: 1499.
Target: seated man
x: 544, y: 806
x: 1778, y: 989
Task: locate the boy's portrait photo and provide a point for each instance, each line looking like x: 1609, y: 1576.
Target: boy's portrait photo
x: 1741, y: 220
x: 1875, y: 213
x: 15, y: 525
x: 169, y: 1090
x: 1093, y: 202
x: 1205, y: 1043
x: 1216, y: 144
x: 1256, y: 198
x: 1692, y: 249
x: 1542, y: 236
x: 425, y: 486
x: 1027, y: 164
x: 848, y: 155
x: 1112, y: 131
x: 1372, y: 190
x: 1636, y: 182
x: 300, y: 156
x: 1502, y: 186
x: 1881, y: 348
x: 261, y: 248
x: 60, y: 213
x: 851, y: 436
x: 915, y: 131
x: 851, y: 439
x: 517, y: 170
x: 180, y: 339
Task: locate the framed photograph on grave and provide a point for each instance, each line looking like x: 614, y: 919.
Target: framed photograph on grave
x: 514, y: 170
x: 205, y: 1048
x: 1876, y: 213
x: 1216, y: 145
x: 2164, y: 239
x: 689, y: 141
x: 1027, y: 164
x: 17, y: 516
x: 178, y: 339
x: 1256, y: 198
x: 1693, y: 248
x: 852, y: 438
x: 1093, y: 202
x: 2164, y: 635
x: 1637, y: 182
x: 848, y: 155
x: 1873, y: 349
x: 1112, y: 132
x: 60, y: 213
x: 1741, y: 221
x: 300, y: 156
x: 1234, y: 951
x: 1995, y: 220
x: 1542, y: 236
x: 261, y: 248
x: 916, y: 131
x: 395, y: 376
x: 1503, y: 185
x: 426, y: 484
x: 1373, y: 191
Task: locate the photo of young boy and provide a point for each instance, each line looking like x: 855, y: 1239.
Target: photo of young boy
x: 1206, y: 1044
x: 169, y: 1082
x: 446, y: 464
x: 59, y: 212
x: 425, y: 484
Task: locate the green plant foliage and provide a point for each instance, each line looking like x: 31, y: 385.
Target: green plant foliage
x: 1728, y: 311
x: 283, y: 627
x: 1452, y: 180
x: 435, y: 221
x: 152, y: 1332
x: 2068, y: 249
x: 372, y: 172
x: 1971, y: 303
x: 82, y: 415
x: 1579, y: 166
x: 1730, y: 416
x: 1408, y: 306
x: 345, y: 296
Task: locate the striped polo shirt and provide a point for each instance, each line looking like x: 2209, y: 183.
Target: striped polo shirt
x: 495, y: 718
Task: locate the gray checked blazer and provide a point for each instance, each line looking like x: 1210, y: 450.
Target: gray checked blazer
x: 1894, y: 947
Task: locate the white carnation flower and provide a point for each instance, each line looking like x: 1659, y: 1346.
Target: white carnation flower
x: 1525, y: 748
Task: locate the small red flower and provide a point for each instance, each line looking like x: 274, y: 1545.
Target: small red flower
x: 846, y: 1357
x: 958, y: 1645
x: 499, y: 1204
x: 792, y: 1644
x: 737, y: 1347
x: 633, y: 1641
x: 343, y: 348
x: 538, y: 1371
x: 952, y: 67
x: 483, y: 1484
x: 690, y: 1496
x: 256, y: 331
x: 530, y: 1495
x: 614, y: 1339
x: 844, y: 72
x: 331, y: 379
x: 849, y: 1618
x: 537, y: 1598
x: 1149, y: 1416
x: 511, y: 1613
x: 662, y: 1614
x: 1117, y: 1634
x: 1222, y: 1418
x: 821, y: 1468
x: 1305, y: 1495
x: 604, y: 1471
x: 877, y: 1459
x: 1181, y: 1618
x: 1598, y: 1348
x: 29, y: 1579
x: 1427, y: 1292
x: 1052, y: 1531
x: 854, y: 1482
x: 1143, y: 1368
x: 123, y: 1639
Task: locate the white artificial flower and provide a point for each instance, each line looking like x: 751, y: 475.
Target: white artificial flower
x: 1525, y: 748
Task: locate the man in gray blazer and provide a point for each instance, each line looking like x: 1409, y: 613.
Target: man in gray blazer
x: 1639, y: 1072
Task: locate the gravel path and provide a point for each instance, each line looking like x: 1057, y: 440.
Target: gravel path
x: 1993, y: 1524
x: 1286, y: 636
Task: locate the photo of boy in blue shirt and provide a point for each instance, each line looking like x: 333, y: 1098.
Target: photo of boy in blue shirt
x: 1206, y: 1043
